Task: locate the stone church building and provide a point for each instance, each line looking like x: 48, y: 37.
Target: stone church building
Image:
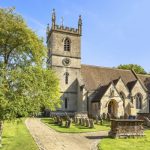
x: 93, y: 89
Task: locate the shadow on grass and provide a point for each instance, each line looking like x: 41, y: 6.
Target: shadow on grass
x: 96, y: 137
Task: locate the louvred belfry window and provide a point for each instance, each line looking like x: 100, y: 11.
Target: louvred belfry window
x: 67, y: 44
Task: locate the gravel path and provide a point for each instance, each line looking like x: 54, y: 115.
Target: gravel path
x: 48, y: 139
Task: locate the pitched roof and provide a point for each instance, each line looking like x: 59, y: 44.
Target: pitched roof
x: 98, y: 94
x: 94, y: 76
x: 131, y: 84
x: 145, y: 79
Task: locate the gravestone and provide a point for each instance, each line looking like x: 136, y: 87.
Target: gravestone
x: 91, y: 122
x: 97, y: 119
x: 87, y: 124
x: 104, y: 116
x: 82, y: 121
x: 79, y: 121
x: 60, y: 122
x: 68, y: 123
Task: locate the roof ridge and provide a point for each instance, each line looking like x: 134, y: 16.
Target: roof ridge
x: 147, y: 75
x: 105, y: 67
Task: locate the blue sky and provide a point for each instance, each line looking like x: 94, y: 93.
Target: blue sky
x: 114, y: 31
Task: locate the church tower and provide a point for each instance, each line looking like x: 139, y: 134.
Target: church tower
x: 64, y: 57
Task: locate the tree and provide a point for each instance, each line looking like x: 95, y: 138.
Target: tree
x: 25, y: 86
x: 136, y: 68
x: 19, y: 45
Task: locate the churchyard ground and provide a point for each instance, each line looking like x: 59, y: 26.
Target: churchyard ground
x: 17, y: 137
x: 142, y: 143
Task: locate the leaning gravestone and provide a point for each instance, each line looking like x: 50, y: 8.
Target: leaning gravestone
x: 60, y: 122
x: 82, y: 121
x: 97, y: 119
x: 104, y: 116
x: 79, y: 121
x: 68, y: 123
x: 87, y: 122
x: 91, y: 122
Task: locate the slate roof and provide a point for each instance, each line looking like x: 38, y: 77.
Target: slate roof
x: 93, y: 76
x: 98, y: 94
x: 145, y: 79
x: 98, y: 78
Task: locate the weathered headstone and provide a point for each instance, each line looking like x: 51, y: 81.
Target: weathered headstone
x: 91, y: 123
x: 104, y: 116
x: 97, y: 119
x: 87, y: 122
x: 68, y: 123
x: 60, y: 122
x: 79, y: 121
x: 82, y: 121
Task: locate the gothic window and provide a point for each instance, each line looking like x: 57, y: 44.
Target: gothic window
x: 66, y: 102
x: 67, y: 44
x: 122, y: 95
x: 66, y: 77
x: 138, y: 98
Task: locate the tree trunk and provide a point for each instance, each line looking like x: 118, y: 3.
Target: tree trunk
x: 1, y: 129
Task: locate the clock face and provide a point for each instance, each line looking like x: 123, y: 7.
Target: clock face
x: 66, y: 61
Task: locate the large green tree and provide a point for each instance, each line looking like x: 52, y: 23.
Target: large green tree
x: 25, y: 86
x: 135, y: 67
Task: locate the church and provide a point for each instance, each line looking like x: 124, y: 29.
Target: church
x: 92, y: 89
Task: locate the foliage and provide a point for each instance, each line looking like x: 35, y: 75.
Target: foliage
x: 142, y: 143
x: 25, y: 86
x: 75, y: 128
x: 136, y: 68
x: 17, y: 137
x: 27, y: 90
x: 19, y: 45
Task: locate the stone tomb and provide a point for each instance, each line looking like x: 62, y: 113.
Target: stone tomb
x: 126, y: 128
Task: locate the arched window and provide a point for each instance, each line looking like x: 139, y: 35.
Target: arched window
x: 66, y: 102
x: 138, y: 98
x: 66, y: 77
x: 122, y: 95
x: 67, y: 44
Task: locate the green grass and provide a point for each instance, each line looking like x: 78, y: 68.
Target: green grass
x: 142, y: 143
x: 17, y: 137
x: 75, y: 128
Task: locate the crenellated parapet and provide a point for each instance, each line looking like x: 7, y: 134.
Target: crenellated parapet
x: 66, y: 29
x: 62, y: 28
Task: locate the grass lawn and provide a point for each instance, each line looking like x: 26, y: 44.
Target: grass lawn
x: 126, y: 144
x: 75, y: 128
x: 17, y: 137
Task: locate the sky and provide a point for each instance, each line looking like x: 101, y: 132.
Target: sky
x: 114, y: 31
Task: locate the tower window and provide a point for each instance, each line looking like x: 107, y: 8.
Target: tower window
x: 138, y: 98
x: 66, y: 77
x: 67, y: 44
x: 66, y: 102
